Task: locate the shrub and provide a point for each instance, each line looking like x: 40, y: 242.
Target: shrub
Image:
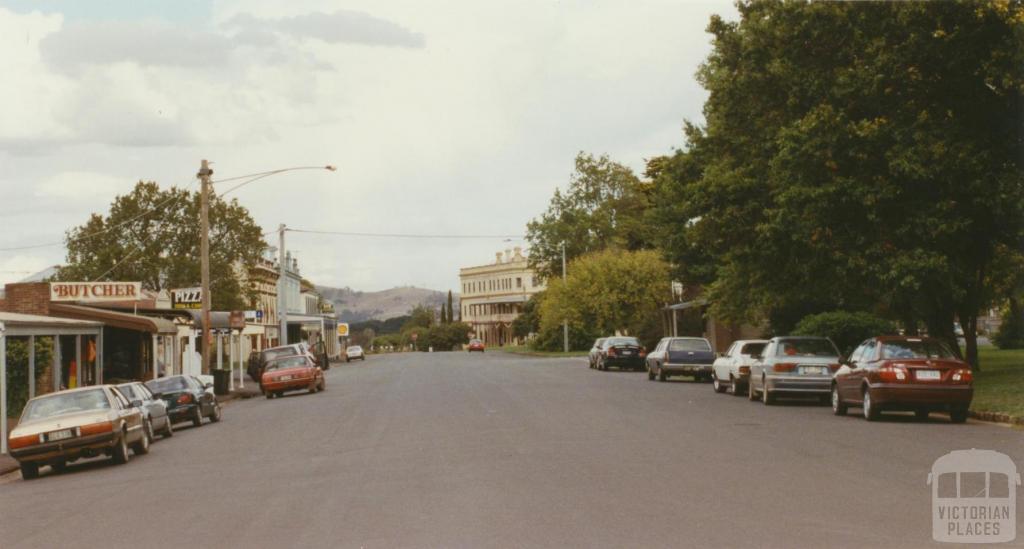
x: 1011, y: 331
x: 845, y: 329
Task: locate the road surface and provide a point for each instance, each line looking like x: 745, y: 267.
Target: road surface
x: 497, y: 450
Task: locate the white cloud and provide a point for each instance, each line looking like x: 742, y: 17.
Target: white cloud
x: 341, y: 26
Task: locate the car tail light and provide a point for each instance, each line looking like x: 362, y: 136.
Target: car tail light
x: 611, y: 351
x: 892, y: 373
x: 185, y: 398
x: 833, y: 367
x: 744, y: 370
x: 963, y: 375
x: 643, y: 352
x: 23, y: 441
x: 97, y: 428
x: 784, y: 367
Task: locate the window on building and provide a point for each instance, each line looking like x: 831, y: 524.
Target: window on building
x: 519, y: 282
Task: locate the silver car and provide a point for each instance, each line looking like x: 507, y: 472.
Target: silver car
x: 154, y: 409
x: 793, y: 365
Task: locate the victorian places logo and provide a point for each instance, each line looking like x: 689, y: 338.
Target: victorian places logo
x: 974, y: 497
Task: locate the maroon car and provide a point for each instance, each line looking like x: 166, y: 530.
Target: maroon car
x: 918, y: 374
x: 292, y: 373
x: 475, y: 345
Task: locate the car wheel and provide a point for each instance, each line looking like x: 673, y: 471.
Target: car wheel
x: 59, y: 466
x: 197, y: 416
x: 838, y: 407
x: 750, y: 391
x: 141, y: 447
x: 215, y: 415
x: 958, y: 415
x: 766, y: 396
x: 871, y: 412
x: 120, y: 454
x: 717, y: 385
x: 921, y: 415
x: 148, y: 428
x: 313, y: 387
x: 268, y: 394
x: 168, y: 429
x: 29, y: 471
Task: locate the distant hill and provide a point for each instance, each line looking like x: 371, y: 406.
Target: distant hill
x: 356, y: 306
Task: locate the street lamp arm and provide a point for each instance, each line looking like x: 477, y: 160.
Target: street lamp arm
x: 257, y: 176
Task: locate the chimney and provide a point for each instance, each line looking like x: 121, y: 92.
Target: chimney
x: 497, y: 258
x: 508, y: 255
x: 518, y: 252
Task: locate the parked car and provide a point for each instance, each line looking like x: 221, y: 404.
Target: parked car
x: 793, y: 365
x: 595, y: 351
x: 621, y: 352
x: 292, y: 373
x: 153, y: 409
x: 731, y: 370
x: 187, y: 399
x: 354, y: 352
x: 675, y: 356
x: 475, y: 345
x: 58, y: 428
x: 255, y: 369
x: 918, y: 374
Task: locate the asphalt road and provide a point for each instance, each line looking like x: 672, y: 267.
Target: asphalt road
x: 450, y: 450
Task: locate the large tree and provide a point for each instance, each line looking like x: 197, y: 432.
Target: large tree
x: 152, y: 235
x: 860, y: 156
x: 606, y: 292
x: 603, y: 207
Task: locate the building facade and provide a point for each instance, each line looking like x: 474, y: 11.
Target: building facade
x: 493, y: 295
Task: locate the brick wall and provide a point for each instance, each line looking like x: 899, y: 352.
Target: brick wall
x: 32, y: 298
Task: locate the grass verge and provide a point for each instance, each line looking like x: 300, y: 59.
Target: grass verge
x: 524, y: 350
x: 999, y: 386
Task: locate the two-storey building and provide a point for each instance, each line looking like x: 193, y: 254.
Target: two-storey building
x: 493, y: 295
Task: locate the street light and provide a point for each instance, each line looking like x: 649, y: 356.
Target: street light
x: 565, y: 320
x: 204, y: 175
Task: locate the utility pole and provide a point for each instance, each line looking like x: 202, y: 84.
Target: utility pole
x: 282, y: 279
x: 204, y: 221
x: 565, y: 321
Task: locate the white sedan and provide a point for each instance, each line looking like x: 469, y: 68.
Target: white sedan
x: 732, y: 368
x: 354, y: 352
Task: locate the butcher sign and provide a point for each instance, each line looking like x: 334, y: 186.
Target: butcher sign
x: 95, y: 291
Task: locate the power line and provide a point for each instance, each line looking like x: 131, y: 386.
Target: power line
x: 408, y: 235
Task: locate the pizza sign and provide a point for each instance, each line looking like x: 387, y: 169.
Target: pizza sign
x: 187, y: 298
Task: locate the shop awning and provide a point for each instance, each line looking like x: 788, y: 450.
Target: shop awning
x: 127, y: 321
x: 16, y: 324
x: 306, y: 319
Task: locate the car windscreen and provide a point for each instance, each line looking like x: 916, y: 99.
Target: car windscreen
x: 354, y: 349
x: 66, y: 403
x: 288, y: 362
x: 806, y: 347
x: 915, y: 348
x: 168, y: 384
x: 751, y: 349
x: 688, y: 345
x: 622, y: 341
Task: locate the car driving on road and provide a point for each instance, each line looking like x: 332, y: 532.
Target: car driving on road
x: 153, y: 409
x: 58, y: 428
x: 731, y: 371
x: 680, y: 356
x: 621, y: 352
x: 475, y: 345
x: 292, y: 373
x: 793, y: 366
x: 355, y: 352
x: 918, y: 374
x: 187, y: 399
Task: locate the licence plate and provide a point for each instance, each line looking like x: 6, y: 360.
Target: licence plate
x: 927, y: 374
x: 814, y: 370
x: 285, y: 378
x: 627, y: 352
x: 59, y: 435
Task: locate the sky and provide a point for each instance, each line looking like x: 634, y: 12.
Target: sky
x: 446, y: 117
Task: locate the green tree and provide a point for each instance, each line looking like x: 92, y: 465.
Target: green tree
x: 528, y: 321
x: 857, y: 156
x: 603, y: 207
x: 161, y: 247
x: 451, y: 310
x: 606, y: 292
x: 846, y: 330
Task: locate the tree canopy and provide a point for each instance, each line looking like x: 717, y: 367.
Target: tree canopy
x: 161, y: 247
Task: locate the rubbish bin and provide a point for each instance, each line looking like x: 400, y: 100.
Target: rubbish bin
x: 221, y: 380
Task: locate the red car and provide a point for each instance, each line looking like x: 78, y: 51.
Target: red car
x: 918, y: 374
x: 475, y: 345
x: 292, y: 373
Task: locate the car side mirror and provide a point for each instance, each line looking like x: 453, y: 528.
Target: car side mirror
x: 136, y: 404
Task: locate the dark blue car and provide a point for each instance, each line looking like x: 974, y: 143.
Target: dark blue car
x: 681, y: 356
